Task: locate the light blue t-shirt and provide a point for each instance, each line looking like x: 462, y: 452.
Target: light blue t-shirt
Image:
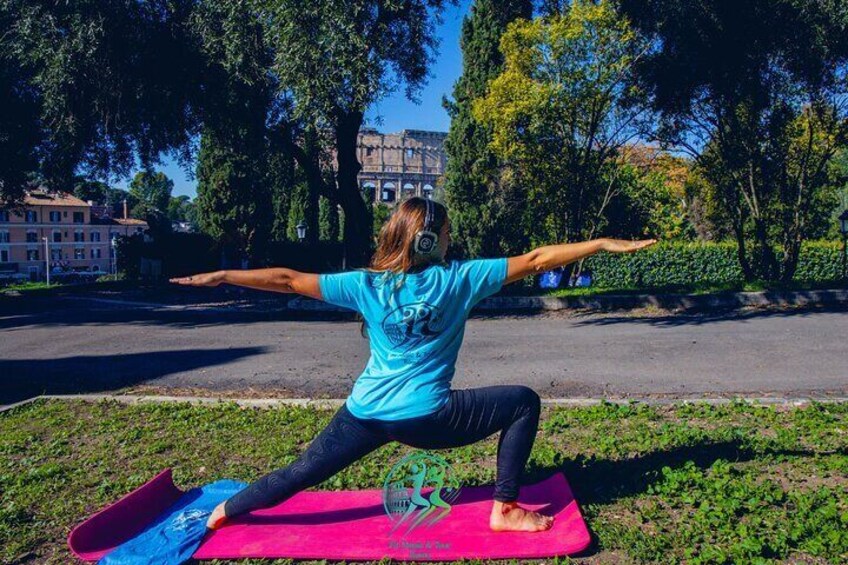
x: 415, y: 331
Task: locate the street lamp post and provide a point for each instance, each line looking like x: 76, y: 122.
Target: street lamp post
x: 46, y: 260
x: 115, y: 255
x: 301, y: 230
x: 843, y: 228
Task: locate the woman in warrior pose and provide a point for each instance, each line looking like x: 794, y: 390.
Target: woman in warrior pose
x: 414, y: 304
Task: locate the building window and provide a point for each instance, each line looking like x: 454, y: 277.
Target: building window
x: 79, y: 236
x: 388, y: 194
x: 32, y: 254
x: 4, y: 236
x: 79, y: 217
x: 367, y: 151
x: 31, y: 216
x: 4, y: 215
x: 4, y: 255
x: 55, y: 216
x: 369, y: 189
x: 55, y: 254
x: 57, y: 236
x: 32, y: 237
x: 410, y: 152
x: 113, y: 235
x: 95, y: 236
x: 79, y: 253
x: 95, y: 253
x: 139, y: 230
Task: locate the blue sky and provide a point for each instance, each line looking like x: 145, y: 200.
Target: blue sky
x: 396, y: 111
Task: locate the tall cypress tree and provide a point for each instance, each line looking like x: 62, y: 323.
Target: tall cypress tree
x: 328, y: 213
x: 486, y: 210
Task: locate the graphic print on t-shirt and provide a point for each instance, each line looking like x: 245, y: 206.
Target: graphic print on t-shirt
x: 409, y: 324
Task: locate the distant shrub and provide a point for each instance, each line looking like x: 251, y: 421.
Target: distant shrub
x: 673, y: 264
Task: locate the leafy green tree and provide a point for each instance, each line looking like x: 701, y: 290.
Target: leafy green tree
x: 651, y: 201
x: 298, y: 210
x: 382, y: 212
x: 705, y: 213
x: 839, y: 181
x: 486, y: 213
x: 755, y: 91
x: 20, y: 132
x: 181, y: 209
x: 152, y: 191
x: 104, y: 195
x: 282, y: 176
x: 234, y: 196
x: 97, y: 191
x: 233, y: 204
x: 106, y: 97
x: 97, y: 81
x: 561, y: 112
x: 329, y: 220
x: 334, y: 60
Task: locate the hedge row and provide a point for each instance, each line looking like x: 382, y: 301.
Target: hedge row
x: 671, y: 264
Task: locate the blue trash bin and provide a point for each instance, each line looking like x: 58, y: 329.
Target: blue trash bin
x: 551, y: 279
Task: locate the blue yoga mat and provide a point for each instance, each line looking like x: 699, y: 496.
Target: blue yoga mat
x: 177, y: 532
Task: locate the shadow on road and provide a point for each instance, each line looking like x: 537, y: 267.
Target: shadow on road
x: 698, y: 319
x: 23, y: 378
x: 61, y: 313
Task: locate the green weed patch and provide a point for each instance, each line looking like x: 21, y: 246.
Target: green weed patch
x: 736, y: 483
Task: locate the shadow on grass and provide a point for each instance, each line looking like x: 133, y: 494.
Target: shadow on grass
x: 605, y: 481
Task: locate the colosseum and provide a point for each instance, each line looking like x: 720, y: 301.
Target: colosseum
x: 396, y: 166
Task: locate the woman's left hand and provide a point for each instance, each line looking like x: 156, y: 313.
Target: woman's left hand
x: 203, y: 279
x: 626, y: 246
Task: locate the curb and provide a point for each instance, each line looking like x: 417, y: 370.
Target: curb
x: 494, y: 304
x: 336, y: 402
x: 669, y: 301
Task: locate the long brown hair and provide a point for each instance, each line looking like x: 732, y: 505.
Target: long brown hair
x: 395, y: 255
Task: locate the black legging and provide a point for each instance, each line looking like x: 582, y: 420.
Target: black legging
x: 469, y: 416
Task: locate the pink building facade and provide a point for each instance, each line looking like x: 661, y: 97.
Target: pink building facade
x: 59, y: 231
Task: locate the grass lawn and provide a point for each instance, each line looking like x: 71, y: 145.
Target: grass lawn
x: 41, y: 288
x: 688, y: 483
x: 695, y: 289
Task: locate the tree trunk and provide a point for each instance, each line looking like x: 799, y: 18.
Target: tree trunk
x: 358, y: 223
x: 789, y: 265
x: 741, y: 251
x: 765, y: 260
x: 314, y: 184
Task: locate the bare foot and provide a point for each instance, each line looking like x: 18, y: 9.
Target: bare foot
x: 510, y: 517
x: 217, y: 518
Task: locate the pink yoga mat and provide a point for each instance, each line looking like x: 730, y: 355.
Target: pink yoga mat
x: 349, y: 525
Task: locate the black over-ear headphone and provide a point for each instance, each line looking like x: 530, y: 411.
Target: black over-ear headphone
x: 426, y: 239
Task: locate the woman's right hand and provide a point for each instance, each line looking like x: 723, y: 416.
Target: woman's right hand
x: 625, y: 245
x: 203, y: 279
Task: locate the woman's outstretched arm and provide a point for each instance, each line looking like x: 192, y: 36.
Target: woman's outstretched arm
x: 275, y: 279
x: 550, y: 257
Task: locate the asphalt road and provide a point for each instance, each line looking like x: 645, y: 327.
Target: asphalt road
x: 67, y: 346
